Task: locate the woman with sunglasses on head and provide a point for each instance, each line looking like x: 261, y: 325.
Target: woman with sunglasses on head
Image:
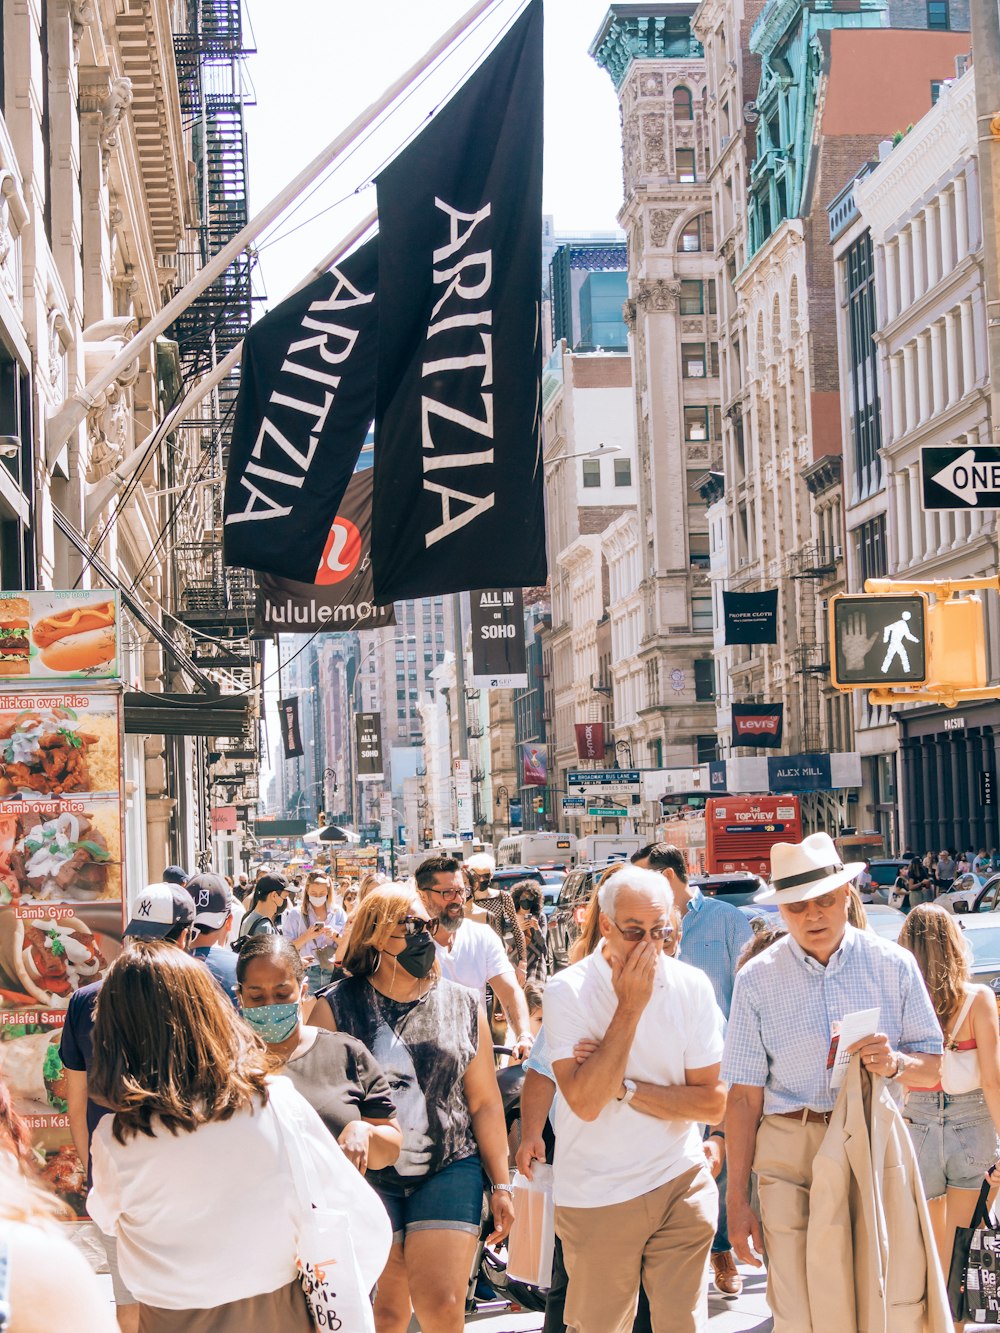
x: 315, y: 928
x: 334, y: 1073
x: 431, y: 1039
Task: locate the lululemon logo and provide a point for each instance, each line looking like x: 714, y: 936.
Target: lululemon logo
x: 342, y: 554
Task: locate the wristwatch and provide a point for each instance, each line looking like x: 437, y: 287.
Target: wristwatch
x: 629, y: 1093
x: 502, y: 1189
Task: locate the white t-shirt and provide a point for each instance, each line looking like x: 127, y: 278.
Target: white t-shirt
x: 238, y: 912
x: 212, y: 1216
x: 624, y: 1153
x: 476, y: 955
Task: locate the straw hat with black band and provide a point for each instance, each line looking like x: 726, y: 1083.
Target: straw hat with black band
x: 806, y: 869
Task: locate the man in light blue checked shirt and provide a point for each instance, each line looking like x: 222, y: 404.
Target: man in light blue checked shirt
x: 788, y: 1003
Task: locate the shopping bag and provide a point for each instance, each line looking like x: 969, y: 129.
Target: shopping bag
x: 974, y: 1274
x: 336, y: 1281
x: 532, y: 1237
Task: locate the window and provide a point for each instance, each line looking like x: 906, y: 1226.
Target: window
x: 656, y: 753
x: 938, y: 18
x: 700, y: 557
x: 682, y: 103
x: 873, y: 562
x: 591, y: 472
x: 401, y: 696
x: 707, y: 749
x: 711, y: 296
x: 696, y: 423
x: 865, y: 405
x: 693, y: 361
x: 936, y: 86
x: 692, y: 300
x: 623, y: 472
x: 691, y: 236
x: 704, y: 679
x: 701, y: 613
x: 685, y: 166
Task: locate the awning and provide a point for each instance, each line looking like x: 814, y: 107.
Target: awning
x: 331, y: 833
x: 185, y: 714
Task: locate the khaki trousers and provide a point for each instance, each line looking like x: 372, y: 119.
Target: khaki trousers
x: 661, y: 1239
x: 783, y: 1163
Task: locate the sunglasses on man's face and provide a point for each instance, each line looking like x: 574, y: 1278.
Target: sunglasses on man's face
x: 824, y: 901
x: 416, y: 925
x: 636, y: 934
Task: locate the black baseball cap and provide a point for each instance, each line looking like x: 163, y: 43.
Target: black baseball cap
x: 213, y: 900
x: 176, y: 875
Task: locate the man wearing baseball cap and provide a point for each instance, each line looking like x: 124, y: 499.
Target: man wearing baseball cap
x: 161, y: 912
x: 213, y: 920
x: 788, y: 1004
x: 176, y: 875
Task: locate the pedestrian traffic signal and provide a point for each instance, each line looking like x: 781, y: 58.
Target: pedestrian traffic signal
x: 877, y: 640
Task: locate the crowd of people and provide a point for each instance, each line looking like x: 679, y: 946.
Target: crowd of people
x: 682, y: 1076
x: 924, y: 878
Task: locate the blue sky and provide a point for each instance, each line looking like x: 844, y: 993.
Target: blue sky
x: 320, y: 62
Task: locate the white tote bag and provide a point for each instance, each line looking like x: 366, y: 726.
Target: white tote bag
x: 341, y: 1250
x: 532, y: 1237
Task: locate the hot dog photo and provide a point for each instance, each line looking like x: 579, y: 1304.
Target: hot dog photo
x: 59, y: 635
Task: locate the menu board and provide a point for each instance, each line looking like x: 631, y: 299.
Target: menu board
x: 50, y: 636
x: 62, y: 892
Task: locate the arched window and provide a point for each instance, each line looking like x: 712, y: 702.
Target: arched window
x: 682, y: 103
x: 776, y: 328
x: 794, y: 327
x: 690, y: 238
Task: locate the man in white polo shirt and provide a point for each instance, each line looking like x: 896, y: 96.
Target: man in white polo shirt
x: 634, y: 1197
x: 469, y: 953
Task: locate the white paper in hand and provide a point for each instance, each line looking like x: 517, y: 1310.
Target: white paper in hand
x: 853, y: 1028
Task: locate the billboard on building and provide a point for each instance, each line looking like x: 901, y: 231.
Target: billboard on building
x: 368, y: 729
x: 499, y: 655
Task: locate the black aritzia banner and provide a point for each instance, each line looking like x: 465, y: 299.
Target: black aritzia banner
x: 751, y: 617
x: 340, y: 597
x: 306, y: 402
x: 758, y: 724
x: 458, y: 463
x: 291, y: 737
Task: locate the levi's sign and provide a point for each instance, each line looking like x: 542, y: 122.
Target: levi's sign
x: 957, y: 477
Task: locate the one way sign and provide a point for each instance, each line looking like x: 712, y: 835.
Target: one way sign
x: 959, y: 477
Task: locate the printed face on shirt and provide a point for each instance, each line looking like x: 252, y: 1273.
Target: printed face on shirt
x: 817, y: 925
x: 635, y: 912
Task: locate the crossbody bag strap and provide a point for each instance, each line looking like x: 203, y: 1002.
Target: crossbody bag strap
x: 962, y: 1015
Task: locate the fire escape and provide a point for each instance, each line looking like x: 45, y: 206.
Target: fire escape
x: 216, y: 604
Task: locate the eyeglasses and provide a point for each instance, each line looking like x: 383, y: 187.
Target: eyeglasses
x: 416, y: 925
x: 636, y: 934
x: 447, y: 893
x: 824, y: 901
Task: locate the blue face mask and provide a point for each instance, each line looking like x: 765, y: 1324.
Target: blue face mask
x: 273, y: 1022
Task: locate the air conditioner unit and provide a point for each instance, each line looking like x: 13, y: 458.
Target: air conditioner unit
x: 838, y: 553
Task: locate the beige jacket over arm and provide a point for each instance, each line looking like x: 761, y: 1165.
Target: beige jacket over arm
x: 871, y: 1262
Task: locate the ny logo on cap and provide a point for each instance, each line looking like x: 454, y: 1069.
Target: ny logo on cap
x: 144, y: 907
x: 203, y: 898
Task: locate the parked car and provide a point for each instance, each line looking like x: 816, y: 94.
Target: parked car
x: 508, y: 875
x: 738, y: 888
x: 552, y: 882
x: 571, y: 906
x: 965, y: 893
x: 988, y: 898
x: 885, y: 871
x: 983, y: 935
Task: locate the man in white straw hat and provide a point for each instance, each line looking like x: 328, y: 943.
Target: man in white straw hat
x: 788, y: 1004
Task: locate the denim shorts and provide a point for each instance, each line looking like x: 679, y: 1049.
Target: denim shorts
x: 451, y: 1200
x: 954, y: 1139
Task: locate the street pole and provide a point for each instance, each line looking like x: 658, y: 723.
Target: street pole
x: 463, y: 735
x: 74, y: 409
x: 985, y: 23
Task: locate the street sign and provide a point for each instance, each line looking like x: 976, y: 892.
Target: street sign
x: 957, y: 477
x: 608, y: 811
x: 878, y: 640
x: 574, y: 802
x: 605, y: 782
x: 386, y: 844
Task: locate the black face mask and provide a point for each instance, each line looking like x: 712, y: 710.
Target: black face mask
x: 417, y: 956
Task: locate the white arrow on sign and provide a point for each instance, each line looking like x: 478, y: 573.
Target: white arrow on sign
x: 967, y: 479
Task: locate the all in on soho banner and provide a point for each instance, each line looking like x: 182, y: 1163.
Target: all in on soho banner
x: 291, y: 737
x: 306, y: 401
x: 368, y: 728
x: 536, y: 765
x: 499, y: 657
x: 341, y: 597
x: 758, y: 724
x: 458, y: 463
x: 589, y: 740
x: 751, y: 617
x: 800, y: 772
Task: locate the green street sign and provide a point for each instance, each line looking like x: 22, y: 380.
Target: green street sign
x: 608, y: 811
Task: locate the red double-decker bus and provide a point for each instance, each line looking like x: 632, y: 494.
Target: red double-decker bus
x: 735, y: 833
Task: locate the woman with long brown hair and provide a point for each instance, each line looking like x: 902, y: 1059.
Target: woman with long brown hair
x: 191, y: 1172
x: 954, y: 1125
x: 432, y: 1041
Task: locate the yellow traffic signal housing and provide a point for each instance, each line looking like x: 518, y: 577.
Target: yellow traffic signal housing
x: 957, y: 643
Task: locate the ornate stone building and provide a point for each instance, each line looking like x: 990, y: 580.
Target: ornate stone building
x: 666, y: 709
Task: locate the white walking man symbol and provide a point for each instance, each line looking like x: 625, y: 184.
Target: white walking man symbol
x: 896, y: 636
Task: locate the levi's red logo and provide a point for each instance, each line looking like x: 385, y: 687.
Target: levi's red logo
x: 758, y: 726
